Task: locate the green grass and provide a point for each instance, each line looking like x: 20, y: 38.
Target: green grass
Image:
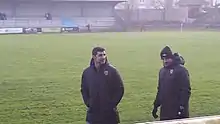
x: 40, y: 74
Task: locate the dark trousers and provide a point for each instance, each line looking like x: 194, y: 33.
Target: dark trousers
x: 99, y: 123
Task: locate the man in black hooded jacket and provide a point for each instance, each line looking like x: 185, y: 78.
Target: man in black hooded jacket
x: 174, y: 89
x: 102, y: 89
x: 178, y: 58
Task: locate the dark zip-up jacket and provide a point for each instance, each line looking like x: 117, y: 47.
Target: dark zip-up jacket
x: 102, y: 90
x: 174, y: 90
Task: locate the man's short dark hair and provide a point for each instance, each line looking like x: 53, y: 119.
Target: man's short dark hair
x: 97, y: 49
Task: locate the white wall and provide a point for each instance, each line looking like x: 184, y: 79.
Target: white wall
x: 196, y: 120
x: 31, y: 9
x: 65, y: 9
x: 98, y: 10
x: 6, y: 8
x: 180, y: 14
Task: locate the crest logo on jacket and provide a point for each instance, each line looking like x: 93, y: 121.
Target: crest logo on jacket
x: 171, y: 71
x: 105, y: 72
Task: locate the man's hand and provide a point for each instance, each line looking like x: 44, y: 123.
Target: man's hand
x: 154, y: 113
x: 180, y: 112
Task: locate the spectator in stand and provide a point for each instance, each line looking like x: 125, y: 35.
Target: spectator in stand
x: 4, y: 16
x: 1, y: 16
x: 88, y: 27
x: 48, y: 16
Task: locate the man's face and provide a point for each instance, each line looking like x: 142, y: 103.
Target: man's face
x: 167, y: 61
x: 100, y: 57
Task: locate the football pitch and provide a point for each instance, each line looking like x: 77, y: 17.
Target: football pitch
x: 40, y: 74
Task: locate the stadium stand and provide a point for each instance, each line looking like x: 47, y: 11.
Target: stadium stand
x: 99, y: 14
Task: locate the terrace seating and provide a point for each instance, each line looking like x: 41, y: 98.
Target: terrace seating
x: 57, y: 22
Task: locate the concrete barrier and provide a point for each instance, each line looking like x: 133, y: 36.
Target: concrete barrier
x: 197, y: 120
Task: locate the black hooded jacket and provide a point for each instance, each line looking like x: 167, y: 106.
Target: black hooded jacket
x: 179, y: 59
x: 102, y: 90
x: 174, y: 90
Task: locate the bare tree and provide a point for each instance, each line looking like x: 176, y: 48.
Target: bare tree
x: 158, y: 4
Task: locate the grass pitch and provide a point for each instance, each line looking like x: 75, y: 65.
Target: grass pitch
x: 40, y: 74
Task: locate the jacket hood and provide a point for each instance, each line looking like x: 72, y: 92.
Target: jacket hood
x: 166, y: 52
x: 179, y: 59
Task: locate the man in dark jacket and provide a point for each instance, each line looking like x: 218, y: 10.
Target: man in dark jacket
x: 102, y: 89
x: 174, y: 88
x: 178, y: 58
